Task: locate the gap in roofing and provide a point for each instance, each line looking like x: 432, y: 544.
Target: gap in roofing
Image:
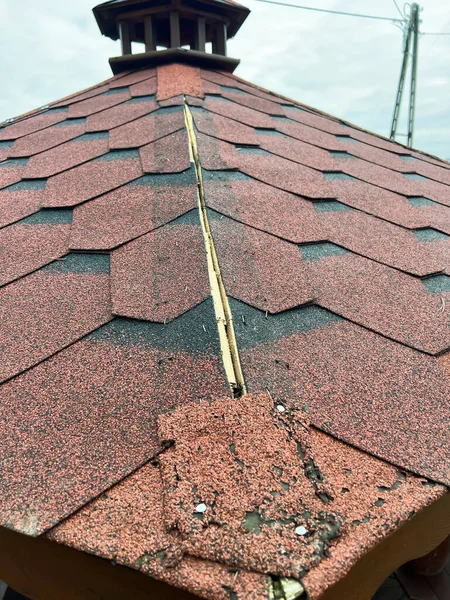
x: 318, y: 250
x: 345, y: 138
x: 415, y: 176
x: 166, y: 110
x: 265, y: 131
x: 279, y: 118
x: 81, y: 262
x: 428, y: 234
x: 118, y: 90
x: 119, y: 155
x: 340, y: 154
x: 14, y: 162
x: 59, y: 109
x: 27, y: 185
x: 69, y: 122
x: 49, y: 216
x: 216, y: 97
x: 254, y: 326
x: 407, y: 157
x: 88, y: 137
x: 338, y: 176
x: 437, y: 284
x: 250, y: 150
x: 420, y: 201
x: 229, y: 88
x: 139, y: 99
x: 293, y: 108
x: 329, y: 205
x: 223, y: 314
x: 6, y: 143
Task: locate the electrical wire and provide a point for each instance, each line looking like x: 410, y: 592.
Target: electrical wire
x: 437, y: 38
x: 333, y: 12
x: 397, y: 7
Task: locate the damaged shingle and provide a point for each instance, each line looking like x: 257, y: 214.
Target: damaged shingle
x: 245, y: 523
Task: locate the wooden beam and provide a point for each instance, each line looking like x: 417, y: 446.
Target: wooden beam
x: 149, y: 33
x: 221, y: 39
x: 175, y: 40
x: 38, y: 569
x: 125, y: 37
x: 200, y: 35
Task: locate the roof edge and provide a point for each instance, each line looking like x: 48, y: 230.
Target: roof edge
x: 179, y: 55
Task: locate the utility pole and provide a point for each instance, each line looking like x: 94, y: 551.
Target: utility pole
x: 411, y: 35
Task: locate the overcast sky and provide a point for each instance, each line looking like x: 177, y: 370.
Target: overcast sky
x: 345, y: 66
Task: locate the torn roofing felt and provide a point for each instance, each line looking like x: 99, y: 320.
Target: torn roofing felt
x: 331, y: 251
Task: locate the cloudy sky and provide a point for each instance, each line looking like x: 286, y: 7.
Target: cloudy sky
x: 348, y: 67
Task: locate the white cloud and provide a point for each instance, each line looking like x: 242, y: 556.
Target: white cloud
x: 345, y: 66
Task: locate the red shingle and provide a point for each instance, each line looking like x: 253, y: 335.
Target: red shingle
x: 66, y: 156
x: 11, y: 171
x: 104, y: 427
x: 393, y: 405
x: 85, y: 95
x: 92, y: 179
x: 275, y: 279
x: 144, y: 88
x: 162, y: 274
x: 19, y: 202
x: 243, y: 114
x: 233, y: 81
x: 24, y: 248
x: 132, y: 78
x: 169, y: 154
x: 174, y: 80
x: 120, y: 114
x: 46, y: 139
x: 147, y: 129
x: 132, y: 210
x: 98, y: 103
x: 33, y: 123
x: 296, y: 219
x: 48, y: 310
x: 224, y: 128
x: 380, y: 299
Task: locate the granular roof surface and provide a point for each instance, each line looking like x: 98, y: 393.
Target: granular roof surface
x: 122, y: 437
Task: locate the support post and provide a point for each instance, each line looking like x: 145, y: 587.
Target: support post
x: 125, y: 37
x: 220, y: 41
x: 412, y: 34
x: 401, y: 82
x: 175, y: 40
x: 149, y: 34
x: 413, y: 90
x: 200, y: 35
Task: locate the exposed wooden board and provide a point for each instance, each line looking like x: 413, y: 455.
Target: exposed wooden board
x: 40, y: 569
x: 224, y: 318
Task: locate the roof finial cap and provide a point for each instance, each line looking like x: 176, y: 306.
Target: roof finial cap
x: 171, y: 30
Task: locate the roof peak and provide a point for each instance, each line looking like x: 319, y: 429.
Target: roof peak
x: 171, y: 31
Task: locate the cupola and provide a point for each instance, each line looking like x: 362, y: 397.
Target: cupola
x: 190, y: 31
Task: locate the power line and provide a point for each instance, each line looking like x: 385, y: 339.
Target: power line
x: 437, y: 39
x: 442, y: 33
x: 333, y: 12
x: 397, y: 7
